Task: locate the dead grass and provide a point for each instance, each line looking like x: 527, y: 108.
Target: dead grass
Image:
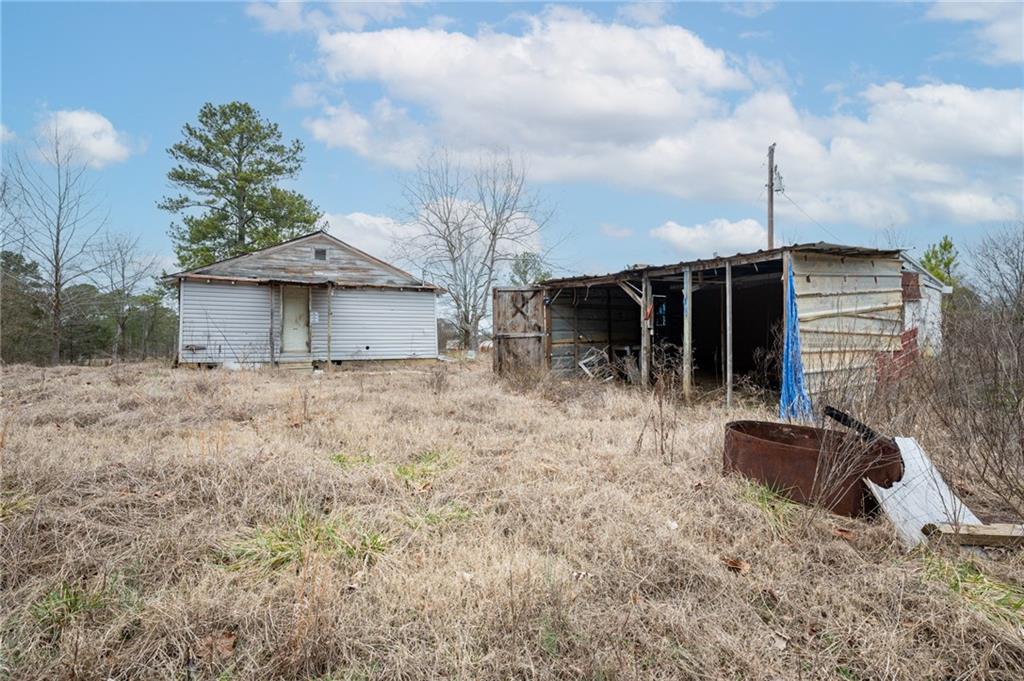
x: 165, y: 524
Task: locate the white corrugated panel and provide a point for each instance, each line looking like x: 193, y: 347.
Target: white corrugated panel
x: 376, y: 324
x: 223, y: 322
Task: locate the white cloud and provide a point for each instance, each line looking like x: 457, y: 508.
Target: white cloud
x: 656, y: 108
x: 6, y: 134
x: 717, y: 237
x: 615, y: 232
x: 643, y: 13
x: 1000, y: 31
x: 294, y: 17
x: 375, y: 234
x: 748, y: 10
x: 306, y: 95
x: 387, y: 134
x: 970, y: 206
x: 93, y: 136
x: 441, y: 21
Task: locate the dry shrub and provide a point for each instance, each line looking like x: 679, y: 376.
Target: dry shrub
x: 975, y: 388
x: 524, y: 538
x: 437, y: 379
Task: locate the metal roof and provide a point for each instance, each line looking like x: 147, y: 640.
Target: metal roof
x: 344, y: 267
x: 716, y: 262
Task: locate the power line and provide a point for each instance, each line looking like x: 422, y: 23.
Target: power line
x: 809, y: 217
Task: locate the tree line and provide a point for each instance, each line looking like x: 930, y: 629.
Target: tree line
x: 72, y: 290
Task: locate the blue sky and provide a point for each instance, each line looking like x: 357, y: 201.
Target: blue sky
x: 644, y: 126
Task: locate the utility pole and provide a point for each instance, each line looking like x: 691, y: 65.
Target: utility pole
x: 771, y: 196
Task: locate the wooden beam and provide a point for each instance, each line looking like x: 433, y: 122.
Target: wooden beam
x: 575, y: 330
x: 645, y: 332
x: 631, y: 292
x: 728, y: 334
x: 330, y: 323
x: 996, y: 534
x: 687, y: 333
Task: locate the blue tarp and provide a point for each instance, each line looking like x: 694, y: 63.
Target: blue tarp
x: 794, y: 402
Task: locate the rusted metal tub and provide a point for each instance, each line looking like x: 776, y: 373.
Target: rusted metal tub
x: 816, y: 466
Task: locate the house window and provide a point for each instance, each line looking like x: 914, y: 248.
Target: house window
x: 320, y: 254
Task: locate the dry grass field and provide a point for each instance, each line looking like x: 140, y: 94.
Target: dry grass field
x: 403, y: 523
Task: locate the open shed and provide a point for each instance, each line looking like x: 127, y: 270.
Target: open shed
x: 719, y: 317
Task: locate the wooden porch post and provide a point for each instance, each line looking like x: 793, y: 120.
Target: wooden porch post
x: 646, y: 298
x: 687, y: 333
x: 330, y: 323
x: 728, y: 334
x: 273, y: 362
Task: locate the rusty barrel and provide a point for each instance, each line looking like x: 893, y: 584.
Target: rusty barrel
x: 812, y: 465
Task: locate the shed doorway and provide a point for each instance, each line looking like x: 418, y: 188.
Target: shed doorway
x: 295, y: 319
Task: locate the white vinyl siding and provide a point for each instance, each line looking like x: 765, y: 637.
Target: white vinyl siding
x: 223, y: 322
x: 377, y: 324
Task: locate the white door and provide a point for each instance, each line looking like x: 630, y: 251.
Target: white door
x: 295, y: 318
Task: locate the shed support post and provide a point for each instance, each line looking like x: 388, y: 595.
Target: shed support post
x: 687, y: 333
x: 330, y: 323
x: 728, y: 334
x: 645, y: 332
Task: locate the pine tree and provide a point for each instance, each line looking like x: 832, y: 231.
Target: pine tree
x: 228, y: 168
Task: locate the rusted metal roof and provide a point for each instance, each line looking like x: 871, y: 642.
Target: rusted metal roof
x: 714, y: 263
x: 315, y: 259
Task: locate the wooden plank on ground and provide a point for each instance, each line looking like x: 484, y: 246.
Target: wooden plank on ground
x: 996, y: 534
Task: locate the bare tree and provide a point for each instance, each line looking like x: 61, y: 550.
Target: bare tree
x: 471, y: 222
x: 121, y: 269
x: 56, y: 221
x: 976, y: 389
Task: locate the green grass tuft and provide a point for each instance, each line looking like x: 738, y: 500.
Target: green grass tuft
x: 277, y: 546
x: 14, y: 503
x: 779, y: 509
x: 300, y: 535
x: 352, y: 460
x: 368, y: 546
x: 997, y: 600
x: 424, y: 467
x: 59, y: 607
x: 447, y: 514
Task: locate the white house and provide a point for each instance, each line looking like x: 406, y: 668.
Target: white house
x: 304, y: 301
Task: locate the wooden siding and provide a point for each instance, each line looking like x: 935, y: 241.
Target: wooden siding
x: 520, y: 329
x: 851, y: 310
x: 591, y: 318
x: 295, y: 260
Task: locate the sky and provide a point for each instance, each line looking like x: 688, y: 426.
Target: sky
x: 644, y: 127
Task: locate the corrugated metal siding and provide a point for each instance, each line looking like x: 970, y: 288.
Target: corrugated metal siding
x: 376, y: 324
x: 851, y: 310
x: 224, y: 322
